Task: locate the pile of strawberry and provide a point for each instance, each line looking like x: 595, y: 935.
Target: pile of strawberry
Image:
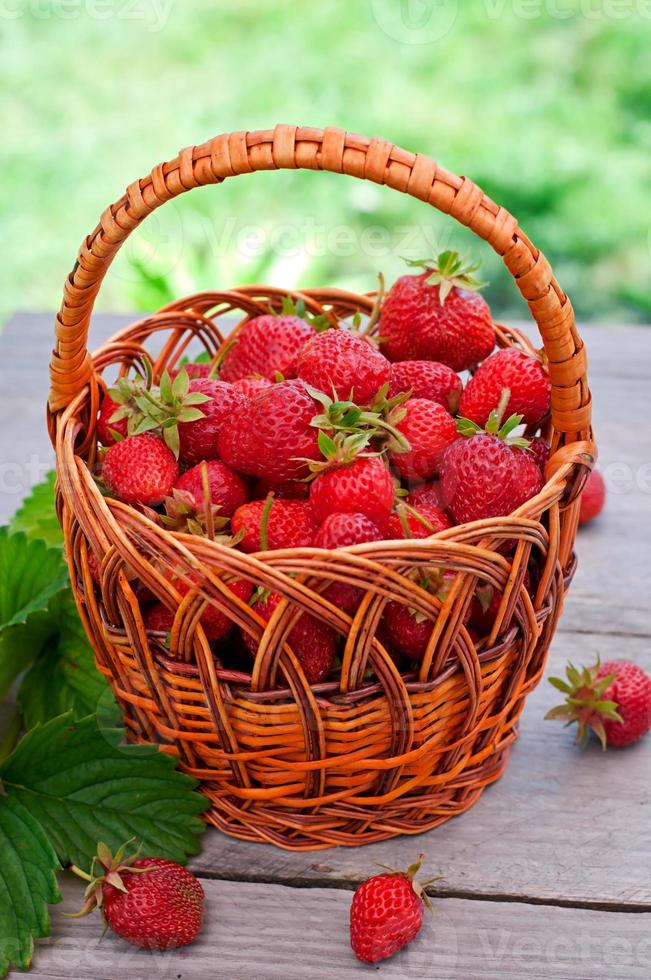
x: 306, y: 433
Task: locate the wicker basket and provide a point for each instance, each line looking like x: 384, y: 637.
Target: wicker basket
x: 376, y: 753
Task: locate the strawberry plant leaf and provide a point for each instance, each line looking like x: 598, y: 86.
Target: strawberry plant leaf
x: 37, y: 515
x: 83, y: 785
x: 27, y: 884
x: 31, y: 574
x: 63, y: 676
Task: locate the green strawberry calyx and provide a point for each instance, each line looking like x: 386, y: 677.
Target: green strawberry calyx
x: 318, y: 322
x: 585, y: 703
x: 449, y: 271
x: 109, y: 869
x: 495, y: 427
x: 378, y: 421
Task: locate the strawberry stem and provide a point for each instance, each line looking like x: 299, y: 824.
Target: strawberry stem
x: 264, y: 522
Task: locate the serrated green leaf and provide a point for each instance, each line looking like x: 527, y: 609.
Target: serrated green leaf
x: 64, y: 676
x: 196, y: 398
x: 27, y: 884
x: 31, y: 574
x: 37, y: 514
x: 189, y: 415
x: 166, y: 387
x: 84, y: 785
x: 178, y: 389
x: 559, y: 684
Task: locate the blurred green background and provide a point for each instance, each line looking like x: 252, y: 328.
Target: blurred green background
x: 546, y: 105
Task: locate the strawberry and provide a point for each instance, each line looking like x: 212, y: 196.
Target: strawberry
x: 216, y: 625
x: 437, y: 315
x: 485, y: 473
x: 409, y: 629
x: 195, y: 370
x: 340, y: 531
x: 525, y: 378
x: 109, y: 431
x: 336, y: 359
x: 387, y: 913
x: 426, y: 493
x: 270, y: 524
x: 271, y: 434
x: 140, y: 470
x: 417, y: 522
x: 363, y: 486
x: 313, y: 643
x: 150, y: 902
x: 429, y: 430
x: 540, y: 451
x: 612, y: 699
x: 198, y: 438
x: 427, y: 379
x: 289, y: 490
x: 251, y: 386
x: 227, y: 490
x: 593, y: 498
x: 266, y: 346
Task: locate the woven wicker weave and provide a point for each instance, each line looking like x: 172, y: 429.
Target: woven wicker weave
x: 376, y: 753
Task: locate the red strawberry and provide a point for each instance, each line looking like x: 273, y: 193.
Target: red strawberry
x: 313, y: 643
x: 289, y: 524
x: 612, y: 699
x: 540, y: 451
x: 432, y: 317
x: 198, y: 439
x: 484, y: 608
x: 350, y: 364
x: 409, y: 629
x: 427, y: 379
x: 421, y: 521
x: 140, y: 470
x: 593, y: 498
x: 525, y: 378
x: 426, y: 493
x: 529, y: 474
x: 429, y: 429
x: 251, y: 386
x: 270, y: 435
x: 289, y: 490
x: 340, y: 531
x: 363, y: 486
x: 227, y: 489
x: 216, y: 625
x: 265, y: 346
x: 106, y: 429
x: 387, y: 913
x: 149, y: 902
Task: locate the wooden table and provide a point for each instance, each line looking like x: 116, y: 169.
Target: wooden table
x: 548, y: 876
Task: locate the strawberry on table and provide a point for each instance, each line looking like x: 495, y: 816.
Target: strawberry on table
x: 427, y: 379
x: 140, y: 470
x: 593, y: 498
x: 336, y: 359
x: 150, y: 902
x: 612, y: 699
x: 428, y: 429
x: 438, y: 315
x: 523, y: 375
x: 267, y: 345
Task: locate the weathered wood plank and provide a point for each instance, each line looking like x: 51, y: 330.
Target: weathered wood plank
x: 561, y: 824
x: 255, y: 932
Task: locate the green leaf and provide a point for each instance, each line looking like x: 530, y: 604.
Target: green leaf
x: 64, y: 676
x: 84, y: 785
x: 27, y: 884
x: 31, y: 574
x: 37, y: 515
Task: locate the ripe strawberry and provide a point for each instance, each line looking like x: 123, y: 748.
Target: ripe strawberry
x: 289, y: 524
x: 313, y: 643
x: 265, y: 346
x: 540, y: 451
x: 198, y: 439
x: 525, y: 378
x: 426, y: 493
x: 427, y: 379
x: 150, y: 902
x: 271, y: 435
x: 612, y: 699
x: 336, y: 358
x: 140, y: 470
x: 251, y: 386
x: 363, y: 486
x: 593, y: 498
x: 227, y: 489
x: 529, y: 474
x: 429, y: 429
x: 387, y: 913
x: 289, y: 490
x: 437, y: 315
x: 107, y: 429
x: 409, y: 629
x: 340, y: 531
x: 216, y: 625
x: 417, y: 522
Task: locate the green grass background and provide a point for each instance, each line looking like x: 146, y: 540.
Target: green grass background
x: 551, y: 114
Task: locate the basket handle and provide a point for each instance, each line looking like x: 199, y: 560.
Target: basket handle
x: 291, y: 147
